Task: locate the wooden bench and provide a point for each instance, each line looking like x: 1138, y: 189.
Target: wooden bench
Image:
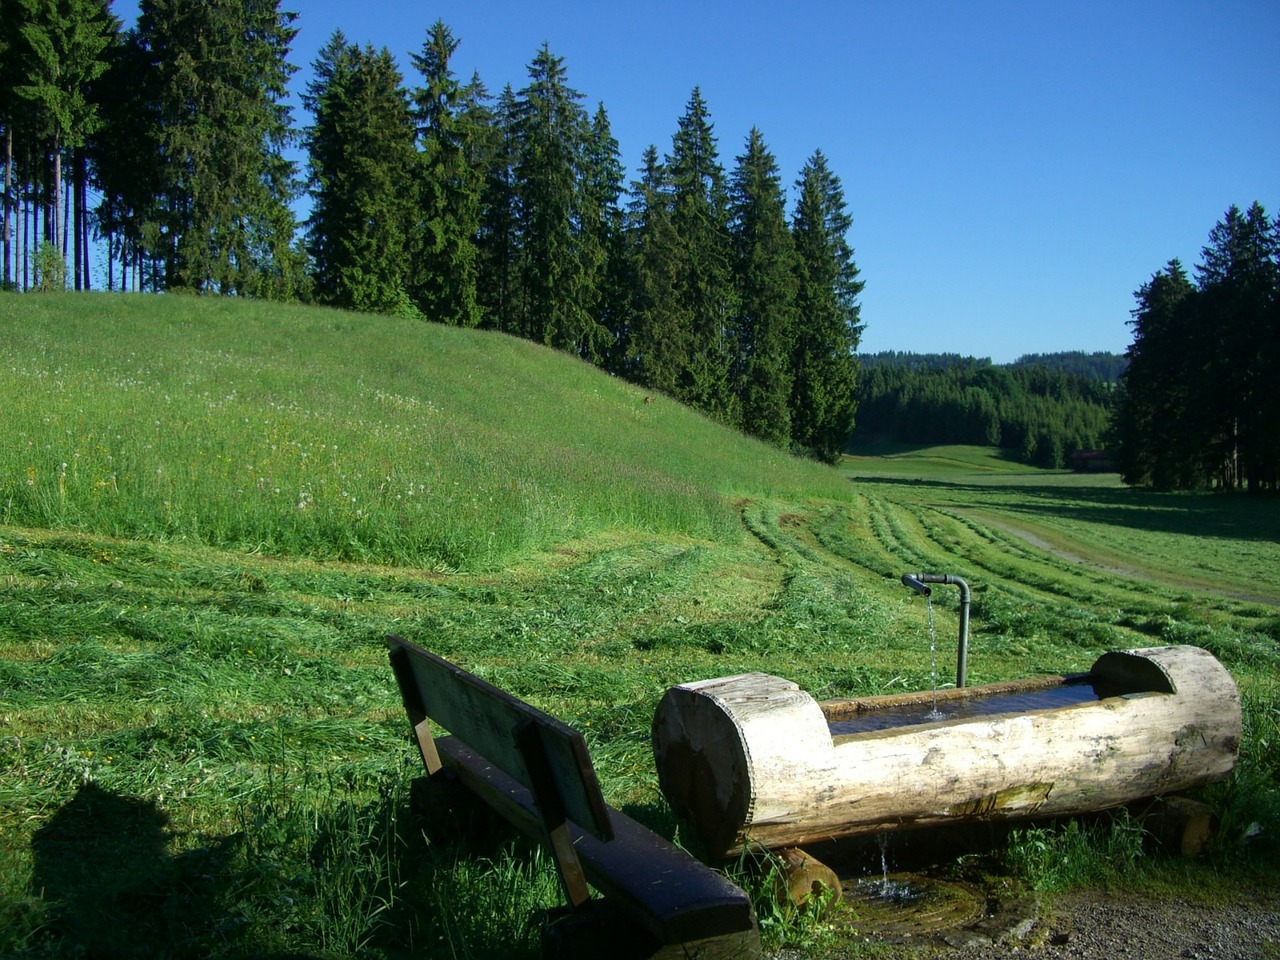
x: 659, y: 902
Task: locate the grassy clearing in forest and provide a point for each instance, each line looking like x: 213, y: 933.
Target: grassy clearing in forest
x: 202, y: 752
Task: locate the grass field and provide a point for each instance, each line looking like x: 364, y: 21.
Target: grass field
x: 211, y: 514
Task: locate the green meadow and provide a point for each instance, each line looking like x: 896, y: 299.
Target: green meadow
x: 212, y: 513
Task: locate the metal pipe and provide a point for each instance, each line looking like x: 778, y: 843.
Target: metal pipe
x: 916, y: 585
x: 917, y: 582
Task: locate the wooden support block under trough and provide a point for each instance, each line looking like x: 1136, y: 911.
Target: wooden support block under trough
x: 754, y: 760
x: 801, y: 878
x: 1181, y: 824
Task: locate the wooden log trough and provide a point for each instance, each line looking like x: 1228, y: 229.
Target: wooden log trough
x: 753, y: 760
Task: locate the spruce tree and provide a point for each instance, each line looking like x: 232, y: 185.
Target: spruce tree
x: 361, y: 159
x: 127, y: 166
x: 59, y: 50
x: 221, y: 71
x: 704, y: 280
x: 1239, y: 281
x: 658, y: 341
x: 498, y: 241
x: 10, y: 77
x: 827, y: 331
x: 765, y: 272
x: 602, y: 244
x: 550, y: 127
x: 449, y: 189
x: 1156, y: 408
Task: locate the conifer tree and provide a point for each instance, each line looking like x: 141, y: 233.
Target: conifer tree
x: 498, y: 241
x: 827, y: 330
x: 765, y: 269
x: 221, y: 71
x: 550, y: 126
x: 658, y: 341
x: 60, y: 49
x: 361, y: 158
x: 1239, y: 281
x: 1156, y: 409
x: 704, y: 281
x: 602, y: 243
x: 10, y: 77
x: 127, y: 165
x: 445, y: 267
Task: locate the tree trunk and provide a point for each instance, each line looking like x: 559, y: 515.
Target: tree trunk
x: 8, y: 205
x: 27, y: 228
x: 82, y: 206
x: 77, y: 230
x: 59, y: 222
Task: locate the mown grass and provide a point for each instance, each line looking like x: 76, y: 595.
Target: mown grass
x: 202, y: 752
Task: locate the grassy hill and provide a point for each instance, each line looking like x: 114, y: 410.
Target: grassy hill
x: 212, y: 512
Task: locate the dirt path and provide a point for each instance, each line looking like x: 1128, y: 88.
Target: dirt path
x: 1101, y: 926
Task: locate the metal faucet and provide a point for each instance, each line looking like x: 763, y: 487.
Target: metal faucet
x: 919, y: 583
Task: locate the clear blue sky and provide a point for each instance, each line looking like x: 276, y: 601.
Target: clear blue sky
x: 1015, y: 170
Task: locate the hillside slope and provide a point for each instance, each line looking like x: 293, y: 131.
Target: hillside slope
x: 305, y: 431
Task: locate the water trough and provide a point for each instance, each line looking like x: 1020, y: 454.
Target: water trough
x: 754, y: 760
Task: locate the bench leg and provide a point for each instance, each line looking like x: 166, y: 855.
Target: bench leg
x: 554, y: 821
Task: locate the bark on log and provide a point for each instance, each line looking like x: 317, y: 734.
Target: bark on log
x: 751, y: 759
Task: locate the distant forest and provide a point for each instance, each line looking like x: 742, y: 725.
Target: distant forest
x: 1032, y: 407
x: 1092, y: 366
x: 438, y: 199
x: 1194, y: 404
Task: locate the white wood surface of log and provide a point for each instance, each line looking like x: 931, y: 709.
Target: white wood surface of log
x: 750, y: 759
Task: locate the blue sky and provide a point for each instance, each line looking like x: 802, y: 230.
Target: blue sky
x: 1015, y: 170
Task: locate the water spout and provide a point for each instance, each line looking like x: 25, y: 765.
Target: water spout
x: 915, y: 584
x: 919, y: 582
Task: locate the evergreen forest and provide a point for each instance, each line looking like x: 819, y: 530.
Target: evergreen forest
x: 1039, y: 414
x: 1194, y: 404
x: 167, y: 145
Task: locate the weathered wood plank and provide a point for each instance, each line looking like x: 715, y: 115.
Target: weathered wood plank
x: 536, y: 773
x: 489, y: 719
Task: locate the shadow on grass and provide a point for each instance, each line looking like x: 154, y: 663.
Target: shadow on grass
x: 298, y: 882
x: 111, y: 887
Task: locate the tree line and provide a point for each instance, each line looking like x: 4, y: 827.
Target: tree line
x: 1199, y: 403
x: 440, y: 200
x: 1039, y: 414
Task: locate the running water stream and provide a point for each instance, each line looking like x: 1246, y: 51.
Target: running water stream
x: 935, y: 713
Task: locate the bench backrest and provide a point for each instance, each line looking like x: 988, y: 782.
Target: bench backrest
x: 543, y: 754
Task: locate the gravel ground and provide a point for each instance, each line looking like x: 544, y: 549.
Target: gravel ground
x: 1100, y: 926
x: 1093, y: 926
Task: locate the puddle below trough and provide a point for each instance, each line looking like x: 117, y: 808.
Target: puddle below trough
x: 905, y: 905
x: 938, y: 886
x: 916, y: 907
